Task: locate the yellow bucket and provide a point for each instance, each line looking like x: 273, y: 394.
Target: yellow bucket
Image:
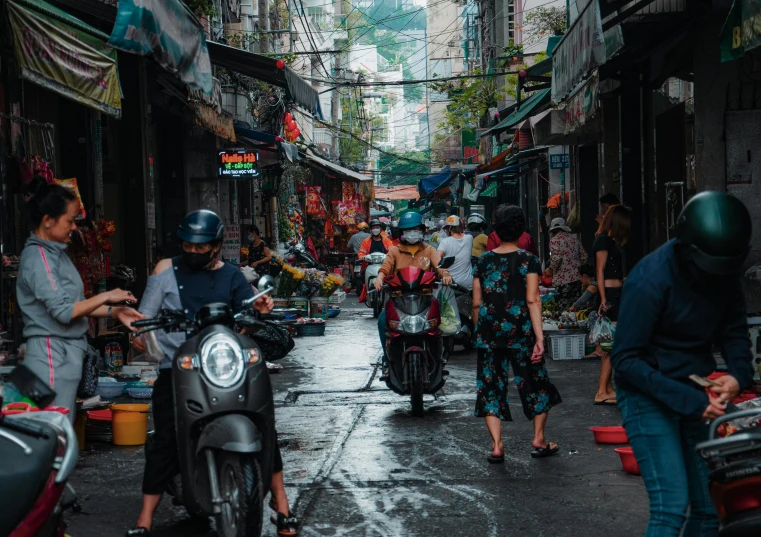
x: 130, y: 424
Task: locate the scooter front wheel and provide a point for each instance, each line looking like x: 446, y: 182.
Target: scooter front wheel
x: 241, y: 488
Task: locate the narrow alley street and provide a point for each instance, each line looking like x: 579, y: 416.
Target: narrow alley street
x: 358, y: 464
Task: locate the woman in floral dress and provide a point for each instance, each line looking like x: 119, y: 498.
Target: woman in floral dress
x: 566, y: 256
x: 508, y: 316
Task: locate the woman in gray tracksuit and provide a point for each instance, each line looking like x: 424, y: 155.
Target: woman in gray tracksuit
x: 50, y: 294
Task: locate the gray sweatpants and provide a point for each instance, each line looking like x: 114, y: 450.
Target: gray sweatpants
x: 58, y: 362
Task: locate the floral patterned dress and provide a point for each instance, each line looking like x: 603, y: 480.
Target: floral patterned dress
x: 566, y: 255
x: 504, y: 335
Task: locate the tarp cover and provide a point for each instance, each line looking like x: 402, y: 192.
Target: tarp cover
x: 436, y: 181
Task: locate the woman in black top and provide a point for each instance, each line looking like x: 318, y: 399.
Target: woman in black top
x: 259, y: 255
x: 611, y: 237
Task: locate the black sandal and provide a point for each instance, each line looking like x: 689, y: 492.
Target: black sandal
x: 287, y: 526
x: 139, y: 531
x: 496, y: 459
x: 546, y: 451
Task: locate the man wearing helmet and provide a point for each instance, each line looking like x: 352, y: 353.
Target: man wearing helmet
x: 356, y: 240
x: 477, y: 230
x: 396, y: 233
x: 188, y: 282
x: 676, y: 304
x: 375, y: 242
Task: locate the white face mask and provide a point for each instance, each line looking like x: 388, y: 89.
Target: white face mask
x: 413, y: 236
x: 375, y: 231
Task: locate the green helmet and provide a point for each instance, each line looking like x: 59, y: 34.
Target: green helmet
x: 410, y: 219
x: 716, y: 227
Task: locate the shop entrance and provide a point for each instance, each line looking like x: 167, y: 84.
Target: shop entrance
x: 670, y: 170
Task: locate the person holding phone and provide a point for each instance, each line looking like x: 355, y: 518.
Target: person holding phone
x: 677, y: 303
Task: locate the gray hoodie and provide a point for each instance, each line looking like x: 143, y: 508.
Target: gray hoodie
x: 47, y: 287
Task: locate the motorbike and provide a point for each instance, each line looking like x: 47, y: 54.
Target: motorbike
x: 735, y: 478
x: 39, y: 452
x: 414, y: 345
x: 225, y: 415
x: 464, y: 298
x: 375, y: 299
x: 299, y: 256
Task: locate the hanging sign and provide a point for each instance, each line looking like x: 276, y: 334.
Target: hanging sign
x: 582, y: 105
x: 219, y: 124
x: 169, y: 32
x: 238, y: 163
x: 66, y: 58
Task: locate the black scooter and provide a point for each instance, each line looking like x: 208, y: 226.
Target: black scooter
x: 298, y: 255
x: 38, y: 451
x: 225, y: 415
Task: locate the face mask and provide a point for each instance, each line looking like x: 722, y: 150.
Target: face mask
x: 198, y: 261
x: 375, y: 231
x: 413, y: 236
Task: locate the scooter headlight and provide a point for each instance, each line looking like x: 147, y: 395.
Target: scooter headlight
x: 412, y: 324
x: 222, y: 360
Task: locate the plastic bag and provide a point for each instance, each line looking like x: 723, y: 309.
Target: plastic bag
x: 603, y: 331
x: 450, y: 315
x: 250, y: 274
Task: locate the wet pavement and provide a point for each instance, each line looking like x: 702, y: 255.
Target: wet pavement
x: 358, y: 464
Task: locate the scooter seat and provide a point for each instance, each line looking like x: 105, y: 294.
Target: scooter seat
x: 745, y: 524
x: 22, y: 477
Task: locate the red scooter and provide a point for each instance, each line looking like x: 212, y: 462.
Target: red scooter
x: 414, y: 344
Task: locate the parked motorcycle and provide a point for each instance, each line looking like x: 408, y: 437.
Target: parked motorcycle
x: 735, y: 479
x: 375, y: 299
x: 299, y: 256
x: 225, y: 414
x: 38, y: 452
x: 414, y: 345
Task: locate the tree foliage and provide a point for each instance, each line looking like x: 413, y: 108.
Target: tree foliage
x: 542, y: 22
x: 469, y: 100
x: 395, y: 171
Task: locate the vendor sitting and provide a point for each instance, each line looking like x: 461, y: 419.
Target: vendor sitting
x: 589, y: 289
x: 375, y: 242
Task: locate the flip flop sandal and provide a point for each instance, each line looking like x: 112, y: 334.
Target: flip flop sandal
x: 610, y: 401
x: 139, y: 531
x: 287, y: 526
x: 496, y: 459
x: 546, y: 451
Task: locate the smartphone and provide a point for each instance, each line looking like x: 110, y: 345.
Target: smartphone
x: 702, y: 381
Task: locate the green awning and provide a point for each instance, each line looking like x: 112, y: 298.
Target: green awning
x: 490, y: 191
x: 538, y: 102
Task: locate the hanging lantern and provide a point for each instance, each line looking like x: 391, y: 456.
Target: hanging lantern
x: 291, y: 125
x: 287, y: 118
x: 295, y: 133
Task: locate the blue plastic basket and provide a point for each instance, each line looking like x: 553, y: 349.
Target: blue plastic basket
x: 333, y: 313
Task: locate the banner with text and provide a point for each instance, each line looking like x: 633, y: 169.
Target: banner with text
x: 66, y: 59
x: 582, y: 105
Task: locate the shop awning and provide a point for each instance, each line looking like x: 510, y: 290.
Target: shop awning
x: 242, y: 130
x: 329, y: 167
x: 265, y: 69
x: 500, y: 172
x: 65, y: 55
x: 496, y: 163
x: 538, y: 102
x: 432, y: 183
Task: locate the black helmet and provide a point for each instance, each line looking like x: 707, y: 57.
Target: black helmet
x: 375, y: 222
x: 200, y: 227
x: 716, y: 227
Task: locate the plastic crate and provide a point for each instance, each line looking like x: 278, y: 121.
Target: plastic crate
x: 566, y: 346
x: 310, y: 330
x: 337, y: 297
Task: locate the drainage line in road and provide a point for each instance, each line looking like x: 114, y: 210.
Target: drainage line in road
x: 293, y: 395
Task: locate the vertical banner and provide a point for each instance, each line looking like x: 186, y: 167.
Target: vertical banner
x: 231, y: 245
x: 582, y: 105
x: 469, y: 146
x: 169, y: 32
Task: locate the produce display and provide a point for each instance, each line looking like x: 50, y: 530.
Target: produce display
x: 553, y: 319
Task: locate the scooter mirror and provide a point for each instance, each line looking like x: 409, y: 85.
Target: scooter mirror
x: 446, y: 262
x: 265, y: 282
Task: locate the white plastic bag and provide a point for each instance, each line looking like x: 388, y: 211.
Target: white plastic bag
x: 250, y: 274
x: 450, y: 315
x: 603, y: 331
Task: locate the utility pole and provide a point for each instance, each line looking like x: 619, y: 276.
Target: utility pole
x: 263, y: 8
x: 335, y: 98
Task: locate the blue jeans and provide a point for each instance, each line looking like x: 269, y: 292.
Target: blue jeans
x: 675, y: 476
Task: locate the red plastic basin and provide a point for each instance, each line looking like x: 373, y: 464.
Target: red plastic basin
x: 627, y: 460
x: 613, y: 434
x: 100, y: 415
